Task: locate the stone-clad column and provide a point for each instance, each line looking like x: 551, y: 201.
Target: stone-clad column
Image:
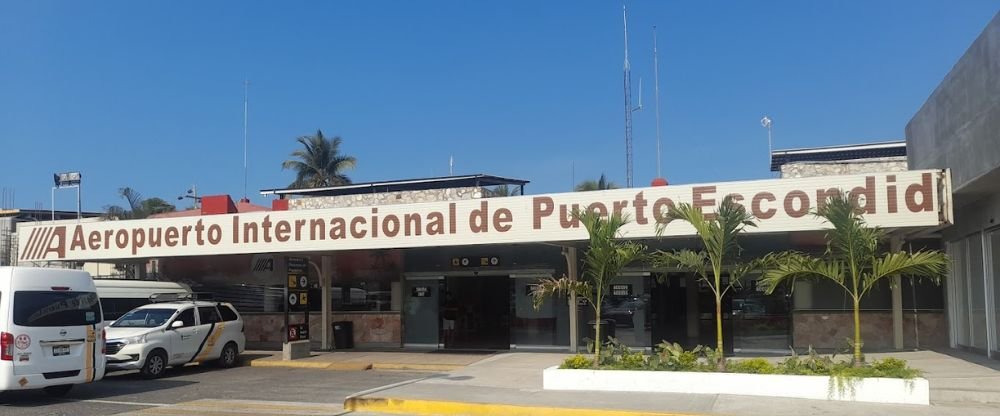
x: 895, y: 245
x: 571, y: 263
x: 326, y: 283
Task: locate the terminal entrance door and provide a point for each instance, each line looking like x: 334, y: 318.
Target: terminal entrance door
x: 475, y: 313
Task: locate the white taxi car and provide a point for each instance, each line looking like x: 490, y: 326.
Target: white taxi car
x: 152, y: 337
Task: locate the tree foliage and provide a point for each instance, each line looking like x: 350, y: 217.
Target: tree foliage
x: 605, y: 257
x: 853, y: 260
x: 319, y: 163
x: 138, y: 207
x: 599, y: 185
x: 719, y: 255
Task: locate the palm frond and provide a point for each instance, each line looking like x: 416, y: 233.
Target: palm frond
x: 696, y: 261
x: 788, y: 267
x: 318, y: 162
x: 562, y: 286
x: 922, y: 264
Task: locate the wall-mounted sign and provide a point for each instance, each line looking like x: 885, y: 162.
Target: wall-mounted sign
x: 297, y: 265
x: 421, y: 292
x: 481, y: 261
x: 621, y: 290
x: 916, y: 198
x: 262, y: 265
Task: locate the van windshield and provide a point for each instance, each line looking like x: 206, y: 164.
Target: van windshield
x: 52, y: 308
x: 144, y: 318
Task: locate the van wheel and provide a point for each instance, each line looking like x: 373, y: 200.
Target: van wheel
x: 230, y: 356
x: 155, y: 365
x: 58, y: 391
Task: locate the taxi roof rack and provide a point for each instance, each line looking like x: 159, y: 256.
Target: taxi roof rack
x: 177, y: 297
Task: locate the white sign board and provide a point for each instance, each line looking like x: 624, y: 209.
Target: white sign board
x: 890, y: 200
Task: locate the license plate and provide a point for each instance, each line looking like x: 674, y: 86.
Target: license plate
x: 60, y: 350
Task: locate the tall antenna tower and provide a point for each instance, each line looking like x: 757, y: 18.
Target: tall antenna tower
x: 246, y: 87
x: 656, y: 82
x: 628, y: 107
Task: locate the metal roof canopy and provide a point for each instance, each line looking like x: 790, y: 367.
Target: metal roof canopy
x: 443, y: 182
x: 837, y: 153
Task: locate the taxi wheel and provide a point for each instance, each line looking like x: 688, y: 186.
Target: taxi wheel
x: 155, y: 366
x: 58, y: 391
x: 229, y: 357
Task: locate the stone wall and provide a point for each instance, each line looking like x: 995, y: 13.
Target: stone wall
x: 850, y: 167
x: 830, y: 330
x: 386, y: 198
x: 266, y: 330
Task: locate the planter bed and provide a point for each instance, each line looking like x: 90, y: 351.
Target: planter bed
x: 874, y: 390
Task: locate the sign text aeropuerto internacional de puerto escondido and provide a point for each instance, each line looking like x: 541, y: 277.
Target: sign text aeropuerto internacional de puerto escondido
x: 890, y: 200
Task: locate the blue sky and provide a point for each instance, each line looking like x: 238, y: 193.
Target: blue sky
x: 149, y: 94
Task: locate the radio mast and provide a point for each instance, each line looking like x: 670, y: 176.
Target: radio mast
x: 628, y: 105
x: 656, y: 82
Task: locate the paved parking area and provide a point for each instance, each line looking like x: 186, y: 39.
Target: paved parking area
x: 208, y: 391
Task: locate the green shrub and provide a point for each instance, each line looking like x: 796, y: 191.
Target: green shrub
x: 633, y: 361
x: 673, y: 357
x: 577, y: 362
x: 752, y: 366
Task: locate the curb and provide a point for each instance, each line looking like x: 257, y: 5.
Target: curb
x: 433, y: 407
x: 316, y: 365
x: 417, y: 367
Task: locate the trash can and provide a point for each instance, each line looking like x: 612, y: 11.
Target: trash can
x: 343, y: 335
x: 607, y: 329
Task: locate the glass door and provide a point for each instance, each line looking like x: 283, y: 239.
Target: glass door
x: 761, y: 322
x: 420, y: 318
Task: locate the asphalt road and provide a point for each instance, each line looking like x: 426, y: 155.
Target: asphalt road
x: 127, y: 392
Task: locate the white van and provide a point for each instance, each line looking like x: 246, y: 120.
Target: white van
x: 118, y: 296
x: 51, y: 330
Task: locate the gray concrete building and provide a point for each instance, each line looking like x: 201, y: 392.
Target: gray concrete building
x: 958, y: 128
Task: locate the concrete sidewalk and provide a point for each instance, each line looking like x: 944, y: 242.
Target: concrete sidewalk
x: 373, y: 360
x: 511, y: 384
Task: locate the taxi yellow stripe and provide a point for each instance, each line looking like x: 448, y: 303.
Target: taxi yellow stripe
x: 210, y: 343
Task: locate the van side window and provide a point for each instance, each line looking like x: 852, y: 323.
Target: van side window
x: 228, y: 314
x: 208, y: 315
x: 187, y: 316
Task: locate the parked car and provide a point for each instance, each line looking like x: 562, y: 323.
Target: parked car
x: 51, y: 330
x: 152, y: 337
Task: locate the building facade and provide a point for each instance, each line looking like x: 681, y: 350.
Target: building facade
x: 443, y: 263
x: 958, y: 128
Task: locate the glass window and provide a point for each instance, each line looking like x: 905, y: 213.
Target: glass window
x: 186, y: 316
x: 977, y: 292
x: 52, y: 308
x: 144, y: 318
x: 995, y: 275
x: 116, y: 307
x: 208, y: 315
x: 228, y: 314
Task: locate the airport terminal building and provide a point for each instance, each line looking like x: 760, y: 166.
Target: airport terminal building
x: 447, y: 263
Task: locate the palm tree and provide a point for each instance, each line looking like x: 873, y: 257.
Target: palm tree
x: 319, y: 163
x: 592, y: 185
x: 718, y: 233
x: 603, y: 261
x: 852, y: 260
x: 138, y: 207
x: 502, y: 191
